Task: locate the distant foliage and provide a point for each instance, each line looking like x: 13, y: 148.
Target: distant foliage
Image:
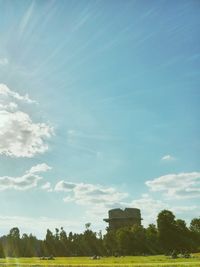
x: 170, y: 235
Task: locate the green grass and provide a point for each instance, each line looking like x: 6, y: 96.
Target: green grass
x: 136, y: 261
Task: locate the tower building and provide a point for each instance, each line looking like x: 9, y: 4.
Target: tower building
x: 118, y: 218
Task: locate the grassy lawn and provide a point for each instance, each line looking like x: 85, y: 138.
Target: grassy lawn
x: 148, y: 261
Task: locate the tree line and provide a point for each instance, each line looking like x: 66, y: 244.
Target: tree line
x: 170, y: 234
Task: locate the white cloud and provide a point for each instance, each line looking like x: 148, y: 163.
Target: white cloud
x: 182, y: 185
x: 20, y: 137
x: 64, y: 186
x: 167, y: 158
x: 69, y: 199
x: 3, y: 61
x: 6, y: 92
x: 98, y: 199
x: 19, y: 183
x: 26, y: 181
x: 90, y: 194
x: 183, y: 209
x: 47, y: 187
x: 149, y: 207
x: 40, y: 168
x: 11, y: 106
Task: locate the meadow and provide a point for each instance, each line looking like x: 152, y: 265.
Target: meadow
x: 136, y: 261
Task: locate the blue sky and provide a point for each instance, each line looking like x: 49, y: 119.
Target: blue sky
x: 99, y: 108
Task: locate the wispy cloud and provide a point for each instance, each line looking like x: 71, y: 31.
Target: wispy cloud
x: 72, y: 134
x: 29, y: 180
x: 83, y: 148
x: 6, y: 92
x: 79, y: 140
x: 26, y: 18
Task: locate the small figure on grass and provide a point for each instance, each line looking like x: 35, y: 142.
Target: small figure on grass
x: 174, y: 254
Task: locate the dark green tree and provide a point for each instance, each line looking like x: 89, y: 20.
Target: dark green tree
x: 152, y: 241
x: 49, y: 243
x: 110, y: 243
x: 167, y: 231
x: 195, y: 225
x: 125, y: 239
x: 195, y: 233
x: 139, y: 239
x: 2, y: 254
x: 65, y: 244
x: 183, y: 241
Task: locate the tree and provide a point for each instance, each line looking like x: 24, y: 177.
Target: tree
x: 66, y: 250
x: 13, y: 245
x: 30, y: 246
x: 15, y: 233
x: 2, y: 255
x: 87, y: 226
x: 139, y: 239
x: 152, y: 242
x: 169, y: 235
x: 182, y: 236
x: 90, y: 242
x: 110, y: 243
x: 167, y: 230
x: 195, y: 225
x: 49, y: 243
x: 195, y: 233
x: 124, y: 238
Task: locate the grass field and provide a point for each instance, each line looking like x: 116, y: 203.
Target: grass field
x: 136, y: 261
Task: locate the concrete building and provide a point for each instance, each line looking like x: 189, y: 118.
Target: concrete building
x: 118, y: 218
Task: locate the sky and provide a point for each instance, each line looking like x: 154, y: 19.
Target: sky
x: 99, y: 109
